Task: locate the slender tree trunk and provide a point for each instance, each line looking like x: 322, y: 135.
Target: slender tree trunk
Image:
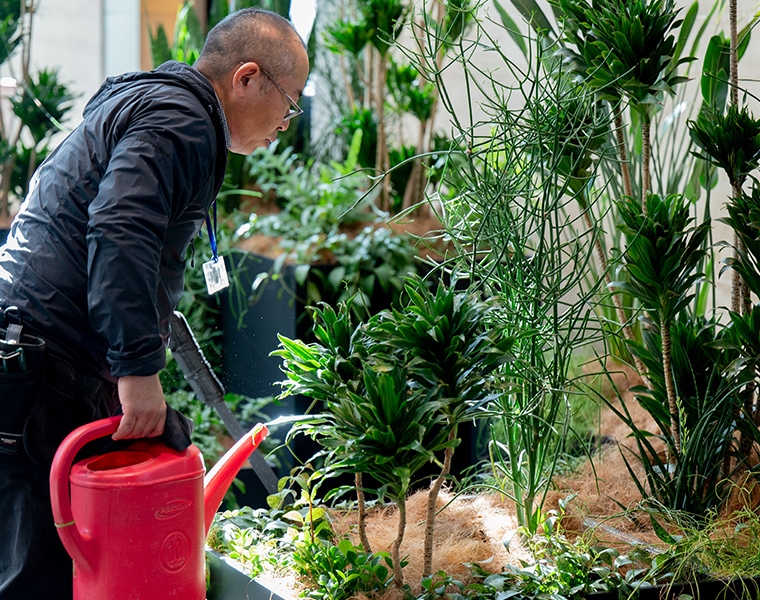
x: 398, y: 574
x: 733, y: 56
x: 362, y: 523
x: 435, y: 490
x: 670, y: 387
x: 412, y: 184
x: 646, y: 151
x: 736, y: 280
x: 622, y: 154
x: 381, y: 158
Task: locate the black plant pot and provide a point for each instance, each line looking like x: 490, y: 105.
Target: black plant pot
x: 250, y: 336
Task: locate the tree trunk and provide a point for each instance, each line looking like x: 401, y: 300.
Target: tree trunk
x: 398, y: 574
x: 670, y: 387
x: 381, y: 158
x: 736, y: 280
x: 733, y: 55
x: 622, y: 155
x: 646, y: 151
x: 435, y: 490
x: 362, y: 524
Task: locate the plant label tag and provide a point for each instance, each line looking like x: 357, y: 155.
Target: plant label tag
x: 216, y: 275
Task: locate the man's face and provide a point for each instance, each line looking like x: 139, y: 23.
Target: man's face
x: 260, y: 106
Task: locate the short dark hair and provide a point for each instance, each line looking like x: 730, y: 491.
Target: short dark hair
x: 250, y: 34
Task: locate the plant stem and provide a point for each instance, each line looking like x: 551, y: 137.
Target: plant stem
x: 736, y: 280
x: 646, y: 151
x: 618, y: 115
x: 733, y: 55
x: 670, y: 387
x: 435, y: 490
x: 362, y: 524
x: 381, y: 158
x: 398, y: 574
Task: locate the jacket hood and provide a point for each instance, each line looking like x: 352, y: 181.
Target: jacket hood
x: 171, y: 73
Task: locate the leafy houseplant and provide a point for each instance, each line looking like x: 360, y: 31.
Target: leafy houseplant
x: 415, y: 371
x: 661, y: 258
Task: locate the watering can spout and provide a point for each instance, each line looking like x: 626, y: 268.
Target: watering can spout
x: 220, y: 477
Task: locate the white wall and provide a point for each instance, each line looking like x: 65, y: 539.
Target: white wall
x: 68, y: 34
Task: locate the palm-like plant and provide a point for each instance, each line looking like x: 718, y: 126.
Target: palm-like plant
x: 661, y: 260
x: 744, y: 218
x: 389, y: 430
x: 730, y: 141
x: 706, y: 387
x: 450, y: 350
x: 627, y: 50
x: 328, y: 370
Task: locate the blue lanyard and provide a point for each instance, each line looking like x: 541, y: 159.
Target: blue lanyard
x: 211, y: 233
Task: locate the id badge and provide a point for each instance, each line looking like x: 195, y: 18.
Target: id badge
x: 216, y: 275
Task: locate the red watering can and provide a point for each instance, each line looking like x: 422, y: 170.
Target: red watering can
x: 135, y: 520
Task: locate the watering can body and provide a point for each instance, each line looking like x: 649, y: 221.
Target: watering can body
x: 135, y: 520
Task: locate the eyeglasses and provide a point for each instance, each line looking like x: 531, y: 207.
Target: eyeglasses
x: 294, y: 109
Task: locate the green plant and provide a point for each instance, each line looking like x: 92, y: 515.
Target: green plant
x: 453, y: 353
x: 341, y: 570
x: 397, y: 386
x: 323, y: 206
x: 661, y: 258
x: 39, y: 104
x: 515, y: 240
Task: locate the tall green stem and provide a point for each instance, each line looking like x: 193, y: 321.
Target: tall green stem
x: 646, y: 152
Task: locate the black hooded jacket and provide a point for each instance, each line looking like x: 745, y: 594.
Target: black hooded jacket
x: 95, y: 258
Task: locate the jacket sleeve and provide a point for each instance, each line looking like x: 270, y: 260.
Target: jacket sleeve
x: 154, y: 170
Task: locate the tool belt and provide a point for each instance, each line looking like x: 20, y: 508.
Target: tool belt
x: 43, y: 397
x: 22, y: 373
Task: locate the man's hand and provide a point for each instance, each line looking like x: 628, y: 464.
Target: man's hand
x: 144, y: 407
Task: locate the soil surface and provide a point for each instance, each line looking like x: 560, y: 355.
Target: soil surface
x: 424, y: 227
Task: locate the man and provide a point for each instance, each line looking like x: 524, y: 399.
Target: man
x: 94, y: 260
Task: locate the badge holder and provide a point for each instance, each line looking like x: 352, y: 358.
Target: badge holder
x: 214, y: 271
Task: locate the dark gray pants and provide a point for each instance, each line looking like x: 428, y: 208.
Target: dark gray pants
x: 33, y: 561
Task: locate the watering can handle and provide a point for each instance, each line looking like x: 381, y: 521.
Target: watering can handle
x: 60, y: 498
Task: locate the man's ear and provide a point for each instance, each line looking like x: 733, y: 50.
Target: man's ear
x: 244, y: 76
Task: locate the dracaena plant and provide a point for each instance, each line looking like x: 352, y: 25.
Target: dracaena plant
x: 706, y: 386
x: 744, y: 331
x: 452, y: 352
x: 625, y: 49
x: 374, y: 419
x: 730, y: 141
x: 661, y: 260
x: 389, y: 431
x: 331, y: 368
